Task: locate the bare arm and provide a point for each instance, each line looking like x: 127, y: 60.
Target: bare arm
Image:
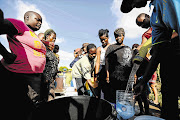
x: 97, y: 66
x: 174, y: 34
x: 6, y: 27
x: 1, y: 16
x: 107, y: 69
x: 144, y: 39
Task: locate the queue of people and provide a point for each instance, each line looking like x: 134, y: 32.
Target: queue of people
x: 32, y: 65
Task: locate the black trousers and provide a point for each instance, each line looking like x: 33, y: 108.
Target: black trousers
x: 20, y: 93
x: 167, y: 54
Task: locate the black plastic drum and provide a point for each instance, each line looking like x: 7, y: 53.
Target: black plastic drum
x: 75, y: 108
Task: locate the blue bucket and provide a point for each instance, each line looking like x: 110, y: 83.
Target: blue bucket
x: 125, y: 104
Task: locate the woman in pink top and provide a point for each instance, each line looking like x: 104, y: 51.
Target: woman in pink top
x: 22, y: 68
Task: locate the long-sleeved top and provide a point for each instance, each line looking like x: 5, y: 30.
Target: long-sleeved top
x: 51, y: 65
x: 83, y: 68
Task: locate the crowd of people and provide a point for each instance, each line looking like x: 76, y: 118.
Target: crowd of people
x: 109, y: 69
x: 32, y: 65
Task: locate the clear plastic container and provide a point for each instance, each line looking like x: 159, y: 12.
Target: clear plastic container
x: 125, y: 104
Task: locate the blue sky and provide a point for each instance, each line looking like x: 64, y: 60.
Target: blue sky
x: 77, y: 21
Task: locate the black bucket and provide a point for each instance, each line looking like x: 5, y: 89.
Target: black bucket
x: 75, y: 108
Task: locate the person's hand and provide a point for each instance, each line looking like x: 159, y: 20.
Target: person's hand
x: 9, y: 58
x: 107, y: 80
x: 96, y: 84
x: 138, y: 59
x: 95, y: 78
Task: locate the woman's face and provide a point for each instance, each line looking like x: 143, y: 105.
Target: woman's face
x: 104, y: 40
x: 50, y: 39
x: 92, y: 53
x: 119, y: 39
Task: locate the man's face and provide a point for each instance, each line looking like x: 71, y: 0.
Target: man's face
x: 144, y: 21
x: 76, y: 53
x: 34, y: 21
x: 92, y: 53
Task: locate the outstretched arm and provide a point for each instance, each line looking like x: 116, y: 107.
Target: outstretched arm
x: 1, y: 16
x: 6, y: 27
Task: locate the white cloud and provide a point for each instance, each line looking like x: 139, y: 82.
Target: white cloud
x: 5, y: 43
x: 112, y: 41
x: 65, y: 58
x: 128, y: 20
x: 59, y: 40
x: 22, y: 7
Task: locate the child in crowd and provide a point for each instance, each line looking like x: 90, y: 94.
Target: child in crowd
x: 23, y: 72
x: 55, y: 51
x: 59, y: 77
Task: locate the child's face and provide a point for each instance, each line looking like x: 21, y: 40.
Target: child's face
x: 34, y: 21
